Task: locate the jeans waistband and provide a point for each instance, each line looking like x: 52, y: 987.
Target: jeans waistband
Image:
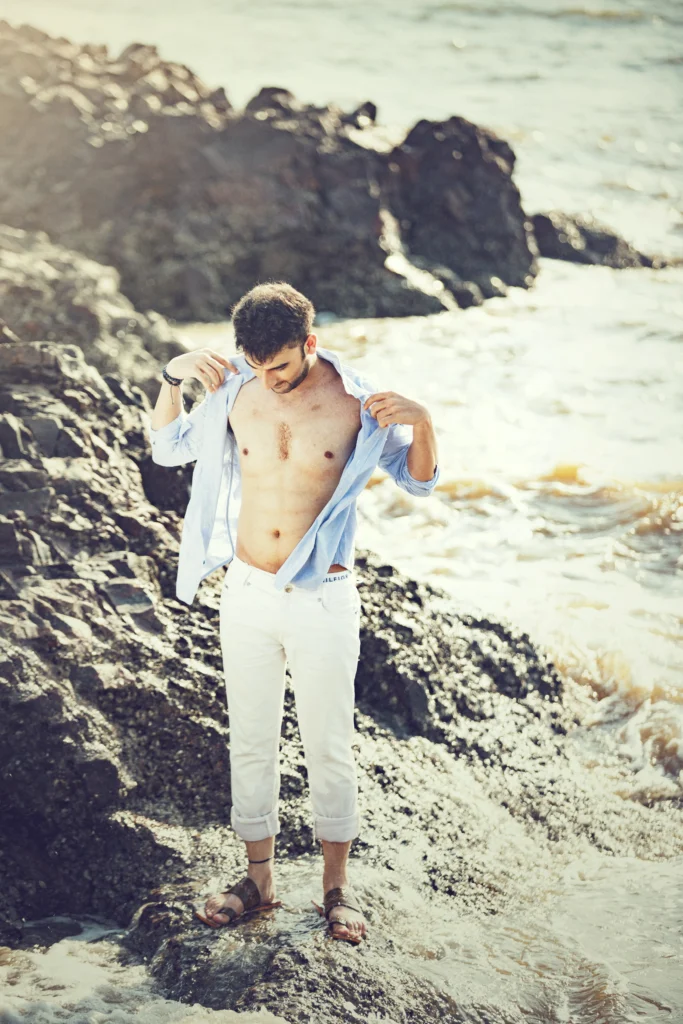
x: 244, y: 570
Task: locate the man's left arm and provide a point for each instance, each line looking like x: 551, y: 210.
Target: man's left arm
x: 410, y: 457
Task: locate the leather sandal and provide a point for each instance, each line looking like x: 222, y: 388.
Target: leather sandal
x: 248, y: 891
x: 342, y: 896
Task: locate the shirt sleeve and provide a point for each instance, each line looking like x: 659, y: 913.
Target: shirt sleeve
x: 394, y: 461
x: 179, y: 441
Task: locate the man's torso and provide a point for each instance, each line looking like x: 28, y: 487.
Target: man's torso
x: 292, y: 451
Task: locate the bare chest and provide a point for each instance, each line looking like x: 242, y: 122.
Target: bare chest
x: 313, y: 438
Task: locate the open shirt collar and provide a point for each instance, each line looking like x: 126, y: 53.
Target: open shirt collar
x: 351, y: 386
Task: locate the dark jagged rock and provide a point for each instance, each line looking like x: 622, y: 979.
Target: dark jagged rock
x: 136, y: 163
x: 273, y: 100
x: 114, y: 736
x: 450, y: 186
x: 362, y: 116
x: 582, y: 239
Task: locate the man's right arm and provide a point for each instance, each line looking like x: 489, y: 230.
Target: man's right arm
x: 174, y: 435
x: 178, y: 441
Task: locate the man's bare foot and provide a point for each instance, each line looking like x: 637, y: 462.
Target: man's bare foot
x: 262, y: 875
x: 355, y: 928
x: 352, y: 925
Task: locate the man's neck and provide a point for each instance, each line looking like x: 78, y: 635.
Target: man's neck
x: 313, y: 379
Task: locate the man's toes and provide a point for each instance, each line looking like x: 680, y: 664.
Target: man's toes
x: 214, y: 908
x: 220, y: 918
x: 339, y: 929
x: 213, y: 905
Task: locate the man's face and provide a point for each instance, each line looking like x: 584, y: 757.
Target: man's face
x: 287, y: 369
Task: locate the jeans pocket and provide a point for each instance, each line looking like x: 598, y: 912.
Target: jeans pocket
x: 341, y: 598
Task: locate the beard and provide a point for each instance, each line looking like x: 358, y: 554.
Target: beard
x: 284, y: 387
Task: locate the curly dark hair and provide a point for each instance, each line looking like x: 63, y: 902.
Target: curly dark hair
x: 271, y: 317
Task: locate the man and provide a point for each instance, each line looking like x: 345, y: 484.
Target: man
x: 290, y: 436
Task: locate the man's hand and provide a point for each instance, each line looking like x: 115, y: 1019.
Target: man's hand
x: 203, y: 363
x: 421, y: 459
x: 388, y: 407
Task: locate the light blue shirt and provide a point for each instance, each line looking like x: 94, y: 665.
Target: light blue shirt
x: 210, y: 523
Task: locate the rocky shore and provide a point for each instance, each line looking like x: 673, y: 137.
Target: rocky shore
x: 113, y: 727
x: 130, y: 191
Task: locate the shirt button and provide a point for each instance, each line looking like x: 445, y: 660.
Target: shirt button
x: 289, y: 588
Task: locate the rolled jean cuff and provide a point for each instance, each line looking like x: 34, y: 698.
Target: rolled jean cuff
x: 337, y: 830
x: 253, y: 829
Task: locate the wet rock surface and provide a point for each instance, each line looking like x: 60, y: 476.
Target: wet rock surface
x: 114, y: 739
x: 583, y: 239
x: 138, y: 164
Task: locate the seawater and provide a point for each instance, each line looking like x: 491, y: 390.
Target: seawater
x: 558, y: 418
x: 81, y: 979
x: 600, y: 945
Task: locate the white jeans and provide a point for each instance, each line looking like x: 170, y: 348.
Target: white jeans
x: 317, y: 633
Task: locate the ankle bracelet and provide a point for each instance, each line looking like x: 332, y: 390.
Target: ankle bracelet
x: 262, y: 861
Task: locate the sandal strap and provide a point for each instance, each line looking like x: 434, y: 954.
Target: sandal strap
x: 342, y: 896
x: 248, y: 892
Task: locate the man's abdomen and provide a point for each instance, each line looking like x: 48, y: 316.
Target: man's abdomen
x: 268, y: 531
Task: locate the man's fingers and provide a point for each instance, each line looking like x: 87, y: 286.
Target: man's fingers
x: 214, y: 359
x: 220, y: 358
x: 382, y: 408
x: 215, y: 363
x: 209, y: 382
x: 212, y: 374
x: 226, y: 362
x: 375, y: 398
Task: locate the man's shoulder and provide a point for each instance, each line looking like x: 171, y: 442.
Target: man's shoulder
x: 358, y: 378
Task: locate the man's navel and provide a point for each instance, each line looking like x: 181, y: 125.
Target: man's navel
x: 329, y: 455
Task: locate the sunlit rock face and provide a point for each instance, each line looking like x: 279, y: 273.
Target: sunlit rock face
x: 137, y: 163
x: 50, y: 293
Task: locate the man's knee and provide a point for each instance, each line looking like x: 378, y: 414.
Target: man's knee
x: 252, y: 760
x: 337, y: 760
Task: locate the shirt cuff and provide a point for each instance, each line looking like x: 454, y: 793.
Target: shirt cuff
x: 166, y: 432
x: 424, y: 483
